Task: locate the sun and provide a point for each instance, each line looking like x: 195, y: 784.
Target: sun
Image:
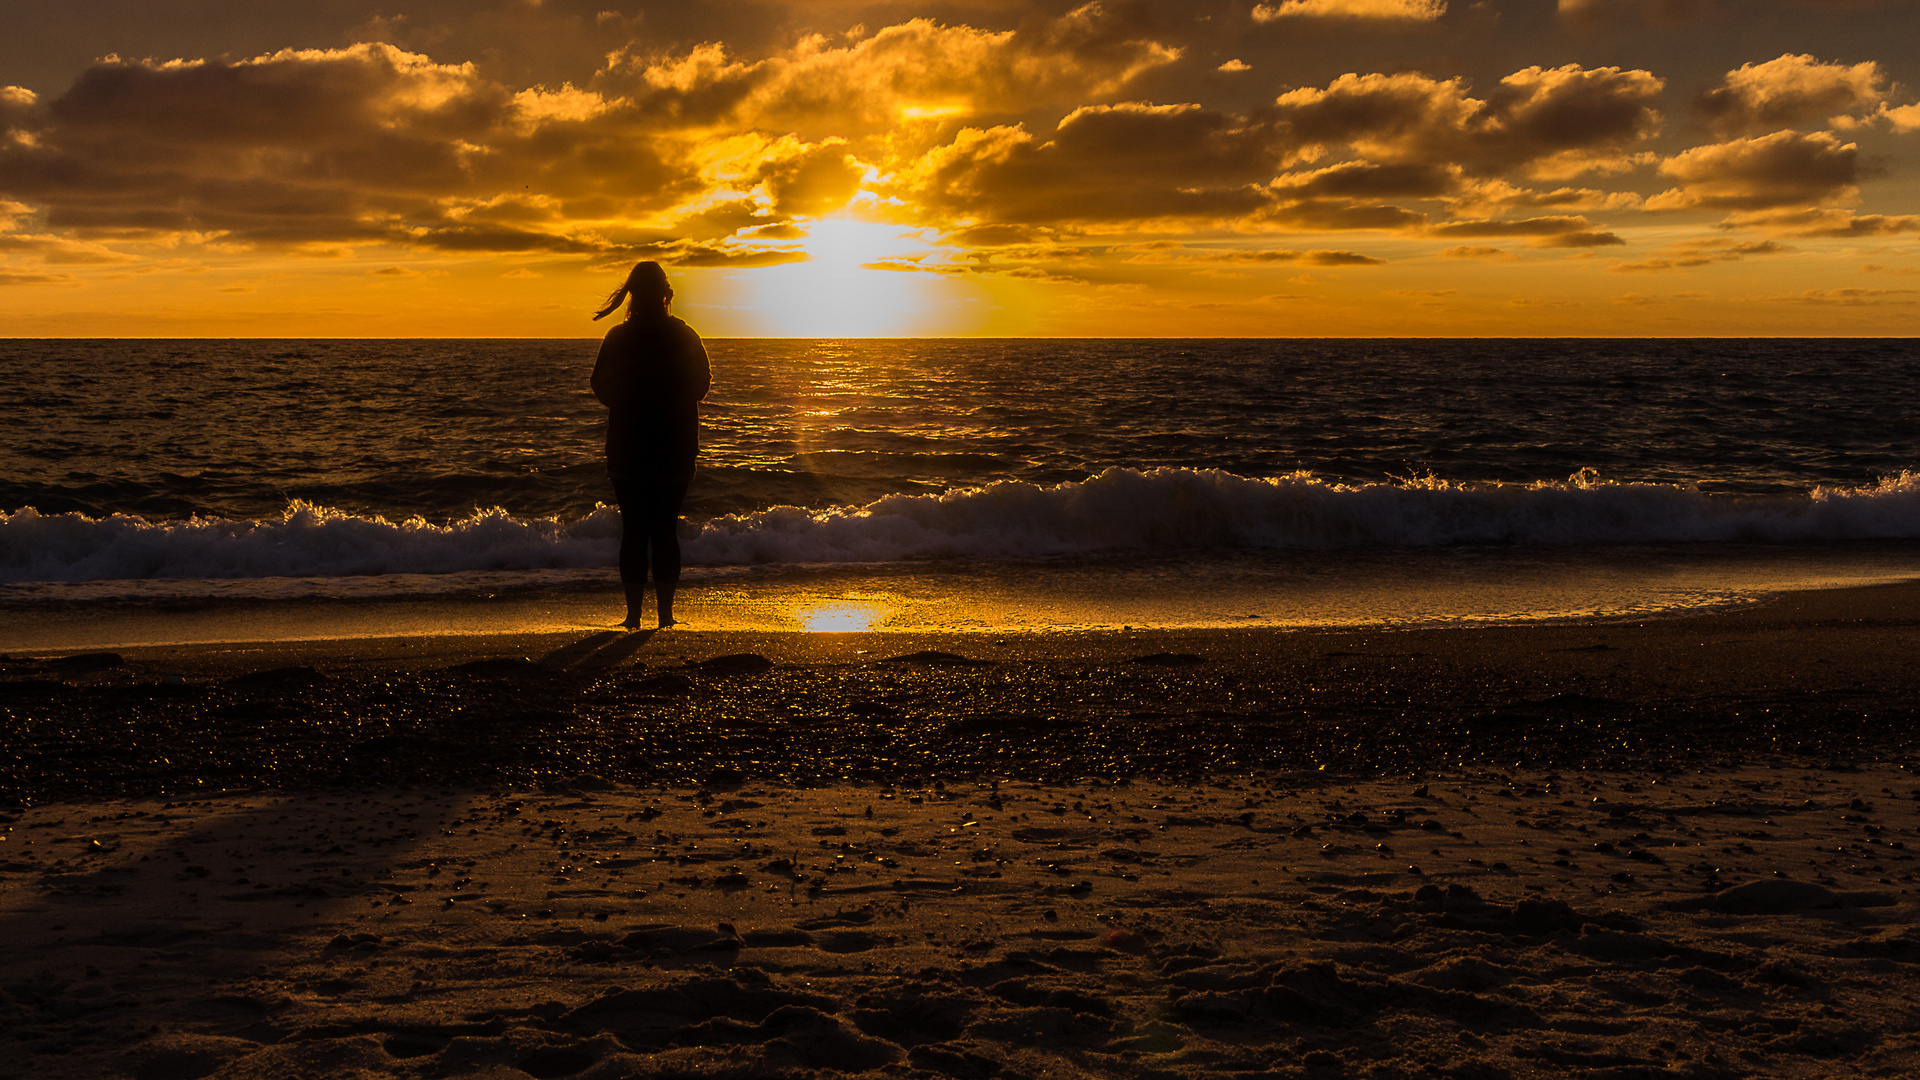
x: 842, y: 290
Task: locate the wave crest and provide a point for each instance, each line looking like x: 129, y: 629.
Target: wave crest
x: 1117, y: 510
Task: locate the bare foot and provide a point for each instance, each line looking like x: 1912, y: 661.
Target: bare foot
x: 664, y: 623
x: 632, y: 622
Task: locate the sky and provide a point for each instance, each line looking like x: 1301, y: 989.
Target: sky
x: 837, y: 168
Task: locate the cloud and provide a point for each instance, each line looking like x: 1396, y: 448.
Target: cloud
x: 1903, y: 118
x: 1549, y: 122
x: 16, y: 107
x: 1848, y: 297
x: 1835, y: 222
x: 695, y: 253
x: 1132, y: 161
x: 1788, y: 90
x: 1702, y: 252
x: 1786, y: 168
x: 302, y: 146
x: 12, y: 276
x: 1417, y: 138
x: 1234, y: 65
x: 1373, y: 10
x: 1488, y: 196
x: 1170, y: 252
x: 1474, y: 251
x: 1553, y: 231
x: 373, y: 144
x: 60, y: 250
x: 915, y: 70
x: 1367, y: 180
x: 816, y: 180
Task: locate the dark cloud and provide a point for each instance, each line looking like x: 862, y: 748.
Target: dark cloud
x: 1545, y: 121
x: 1554, y: 231
x: 1334, y: 215
x: 1103, y: 163
x: 1783, y: 169
x: 353, y: 145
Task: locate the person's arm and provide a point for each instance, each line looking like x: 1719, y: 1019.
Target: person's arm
x: 699, y: 370
x: 606, y: 374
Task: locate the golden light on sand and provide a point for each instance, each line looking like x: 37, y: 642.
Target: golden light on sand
x: 840, y: 291
x: 840, y: 617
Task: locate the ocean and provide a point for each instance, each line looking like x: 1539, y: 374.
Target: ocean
x: 155, y: 490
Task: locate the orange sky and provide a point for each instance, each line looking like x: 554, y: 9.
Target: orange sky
x: 838, y: 168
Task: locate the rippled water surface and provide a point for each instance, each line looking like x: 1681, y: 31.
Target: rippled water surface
x: 237, y: 429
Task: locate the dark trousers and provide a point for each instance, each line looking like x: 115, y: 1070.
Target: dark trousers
x: 649, y: 516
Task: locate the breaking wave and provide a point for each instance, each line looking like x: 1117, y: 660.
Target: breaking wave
x: 1118, y: 510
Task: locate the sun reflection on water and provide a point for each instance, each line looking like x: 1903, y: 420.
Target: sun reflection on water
x: 839, y: 618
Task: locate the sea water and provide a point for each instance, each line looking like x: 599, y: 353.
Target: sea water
x: 269, y: 488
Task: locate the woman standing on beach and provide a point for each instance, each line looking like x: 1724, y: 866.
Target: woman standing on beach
x: 651, y: 374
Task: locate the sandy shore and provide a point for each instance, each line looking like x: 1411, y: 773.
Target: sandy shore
x: 1627, y: 849
x: 1738, y: 922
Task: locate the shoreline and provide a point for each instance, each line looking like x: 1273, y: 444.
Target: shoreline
x: 1362, y: 589
x: 1817, y: 676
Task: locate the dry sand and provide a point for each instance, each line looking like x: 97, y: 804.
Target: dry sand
x: 1008, y: 864
x: 1289, y: 924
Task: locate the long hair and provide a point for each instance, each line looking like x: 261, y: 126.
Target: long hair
x: 646, y: 284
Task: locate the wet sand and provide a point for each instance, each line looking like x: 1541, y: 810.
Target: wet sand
x: 1629, y: 849
x: 1823, y: 675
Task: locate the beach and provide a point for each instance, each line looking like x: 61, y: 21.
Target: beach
x: 1626, y: 848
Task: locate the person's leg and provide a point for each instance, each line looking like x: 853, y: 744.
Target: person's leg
x: 634, y: 530
x: 663, y: 536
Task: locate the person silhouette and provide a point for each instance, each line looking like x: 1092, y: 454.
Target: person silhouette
x: 651, y: 373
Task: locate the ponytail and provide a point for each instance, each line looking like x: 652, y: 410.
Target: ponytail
x: 613, y: 302
x: 646, y: 281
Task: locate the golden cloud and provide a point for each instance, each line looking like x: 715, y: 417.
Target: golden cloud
x: 1374, y: 10
x: 1123, y: 162
x: 1788, y: 90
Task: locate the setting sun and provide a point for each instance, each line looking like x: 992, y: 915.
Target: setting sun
x: 848, y: 286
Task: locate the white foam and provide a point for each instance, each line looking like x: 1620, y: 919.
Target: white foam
x: 1162, y: 509
x: 306, y: 541
x: 1117, y: 510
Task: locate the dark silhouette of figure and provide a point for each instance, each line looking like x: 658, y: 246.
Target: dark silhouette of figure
x: 651, y: 374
